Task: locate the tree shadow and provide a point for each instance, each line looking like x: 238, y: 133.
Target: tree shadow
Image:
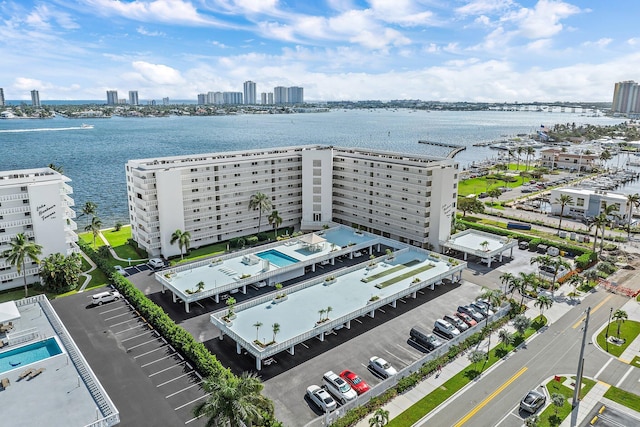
x: 501, y: 352
x: 554, y: 420
x: 472, y: 374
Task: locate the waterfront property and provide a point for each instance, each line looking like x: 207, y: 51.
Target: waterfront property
x: 409, y: 198
x: 265, y: 265
x: 325, y: 303
x: 485, y: 246
x: 35, y: 202
x: 50, y: 382
x: 587, y: 203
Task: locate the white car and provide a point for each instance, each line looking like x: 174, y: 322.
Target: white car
x: 445, y: 328
x: 156, y: 263
x: 321, y: 398
x: 382, y: 367
x: 338, y: 387
x: 107, y: 296
x: 120, y: 269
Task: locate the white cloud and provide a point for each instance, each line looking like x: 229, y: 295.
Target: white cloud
x: 633, y: 41
x: 145, y: 32
x: 157, y: 74
x: 543, y: 20
x: 480, y: 7
x: 402, y: 12
x: 600, y: 43
x: 168, y: 11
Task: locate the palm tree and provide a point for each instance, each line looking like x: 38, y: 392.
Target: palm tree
x: 542, y: 261
x: 94, y: 228
x: 563, y: 200
x: 183, y: 238
x: 505, y: 337
x: 380, y: 418
x: 89, y: 209
x: 507, y: 281
x: 521, y: 323
x: 261, y: 202
x: 275, y: 221
x: 276, y: 329
x: 21, y: 249
x: 321, y: 312
x: 605, y: 156
x: 619, y: 316
x: 557, y: 263
x: 600, y: 221
x: 257, y: 325
x: 543, y: 302
x: 493, y: 297
x: 519, y: 151
x: 233, y: 401
x: 530, y: 152
x: 532, y: 421
x: 484, y: 245
x: 329, y: 310
x: 607, y: 213
x: 633, y: 201
x: 527, y: 280
x: 56, y: 168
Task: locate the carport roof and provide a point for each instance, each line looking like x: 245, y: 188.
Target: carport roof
x: 471, y: 242
x: 8, y: 312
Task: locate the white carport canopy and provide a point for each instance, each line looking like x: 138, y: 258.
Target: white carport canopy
x: 8, y: 312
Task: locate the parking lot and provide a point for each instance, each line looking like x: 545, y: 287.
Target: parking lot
x: 149, y: 382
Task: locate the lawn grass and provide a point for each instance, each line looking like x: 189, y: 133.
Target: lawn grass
x: 18, y: 293
x: 88, y: 239
x: 386, y: 272
x: 629, y: 330
x: 431, y: 401
x: 548, y: 417
x: 201, y: 252
x: 625, y: 398
x: 403, y: 276
x: 117, y: 238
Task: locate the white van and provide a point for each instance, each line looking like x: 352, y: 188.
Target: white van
x: 102, y: 297
x: 338, y: 387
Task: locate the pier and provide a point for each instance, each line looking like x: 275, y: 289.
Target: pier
x: 456, y: 148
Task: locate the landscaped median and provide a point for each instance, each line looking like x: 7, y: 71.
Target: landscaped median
x: 554, y: 414
x: 629, y: 330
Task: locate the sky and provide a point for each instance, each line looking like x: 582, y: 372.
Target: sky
x: 435, y: 50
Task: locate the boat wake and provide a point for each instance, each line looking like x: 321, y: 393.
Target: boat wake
x: 83, y: 127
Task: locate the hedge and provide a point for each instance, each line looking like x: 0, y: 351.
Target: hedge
x: 510, y: 233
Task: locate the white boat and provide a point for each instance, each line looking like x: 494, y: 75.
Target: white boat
x: 86, y: 126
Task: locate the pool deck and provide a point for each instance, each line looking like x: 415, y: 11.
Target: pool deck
x: 59, y: 396
x: 471, y: 242
x: 349, y: 295
x: 235, y: 271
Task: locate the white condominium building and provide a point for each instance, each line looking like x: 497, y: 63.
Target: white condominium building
x: 406, y: 197
x: 35, y: 202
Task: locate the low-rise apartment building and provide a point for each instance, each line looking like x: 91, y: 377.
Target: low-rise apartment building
x: 553, y: 158
x: 405, y: 197
x: 38, y: 203
x: 587, y: 203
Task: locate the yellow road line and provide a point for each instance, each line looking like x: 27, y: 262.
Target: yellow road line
x: 489, y: 398
x: 604, y: 301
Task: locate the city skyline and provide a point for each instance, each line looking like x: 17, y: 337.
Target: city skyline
x: 477, y: 50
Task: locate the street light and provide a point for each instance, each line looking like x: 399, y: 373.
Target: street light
x: 606, y: 334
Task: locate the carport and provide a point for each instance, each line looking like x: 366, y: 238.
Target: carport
x: 485, y: 246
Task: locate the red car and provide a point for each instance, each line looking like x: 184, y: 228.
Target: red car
x: 355, y: 381
x: 466, y: 319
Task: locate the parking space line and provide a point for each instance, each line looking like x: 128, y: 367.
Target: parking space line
x: 402, y: 301
x: 184, y: 389
x: 129, y: 329
x: 150, y: 351
x: 193, y: 419
x: 135, y: 336
x: 193, y: 401
x: 157, y: 360
x: 410, y: 350
x: 381, y: 310
x: 173, y: 379
x: 509, y: 414
x: 117, y: 315
x: 113, y: 309
x: 358, y: 320
x: 406, y: 363
x: 166, y: 369
x: 122, y: 323
x: 141, y: 344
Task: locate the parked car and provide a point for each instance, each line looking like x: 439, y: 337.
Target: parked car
x: 338, y: 387
x: 428, y: 341
x: 483, y: 307
x: 456, y: 321
x: 466, y: 309
x: 104, y: 297
x: 321, y: 398
x: 120, y: 269
x: 445, y: 328
x: 382, y: 367
x: 156, y: 263
x: 356, y: 383
x: 470, y: 321
x: 523, y: 244
x: 533, y: 401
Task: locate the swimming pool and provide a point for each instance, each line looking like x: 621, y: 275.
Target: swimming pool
x: 28, y: 354
x: 277, y: 258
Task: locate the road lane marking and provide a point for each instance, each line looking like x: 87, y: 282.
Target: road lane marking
x: 602, y: 369
x: 490, y: 397
x: 603, y: 302
x: 624, y: 377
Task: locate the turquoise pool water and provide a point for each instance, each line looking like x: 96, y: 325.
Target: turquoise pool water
x: 27, y: 354
x: 277, y: 258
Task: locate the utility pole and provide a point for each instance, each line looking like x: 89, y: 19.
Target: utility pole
x: 578, y: 383
x: 606, y: 334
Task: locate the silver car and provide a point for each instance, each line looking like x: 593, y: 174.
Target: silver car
x: 456, y: 321
x: 533, y: 401
x: 382, y: 367
x: 321, y: 398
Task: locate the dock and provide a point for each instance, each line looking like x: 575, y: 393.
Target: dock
x: 456, y: 148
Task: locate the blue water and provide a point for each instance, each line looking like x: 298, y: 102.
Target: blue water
x: 95, y: 158
x: 27, y: 354
x: 277, y: 258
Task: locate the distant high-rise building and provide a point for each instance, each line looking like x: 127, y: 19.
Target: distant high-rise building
x: 211, y: 96
x: 218, y: 98
x: 133, y: 97
x: 202, y: 98
x: 263, y: 98
x: 165, y: 100
x: 250, y: 93
x: 1, y: 97
x: 112, y: 97
x: 35, y: 98
x: 280, y: 95
x: 295, y: 95
x: 232, y: 98
x: 626, y: 97
x: 270, y: 98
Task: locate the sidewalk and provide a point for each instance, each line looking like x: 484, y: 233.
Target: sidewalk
x: 402, y: 402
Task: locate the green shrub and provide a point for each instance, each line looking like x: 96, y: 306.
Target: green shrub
x: 533, y: 244
x: 585, y: 260
x: 251, y: 240
x: 606, y: 267
x: 262, y: 236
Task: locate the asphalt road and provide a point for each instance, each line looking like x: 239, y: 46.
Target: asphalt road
x: 494, y: 398
x: 609, y: 417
